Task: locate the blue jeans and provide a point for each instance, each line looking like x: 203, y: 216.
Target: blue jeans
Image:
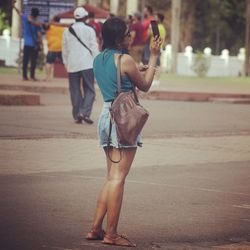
x: 82, y: 102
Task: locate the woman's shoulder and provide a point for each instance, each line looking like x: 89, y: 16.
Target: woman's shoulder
x: 127, y: 63
x: 126, y: 59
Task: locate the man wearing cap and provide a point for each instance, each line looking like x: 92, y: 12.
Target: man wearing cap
x: 78, y: 54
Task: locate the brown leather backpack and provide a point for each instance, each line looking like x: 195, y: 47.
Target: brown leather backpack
x: 128, y: 116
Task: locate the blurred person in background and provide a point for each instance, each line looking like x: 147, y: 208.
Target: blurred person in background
x: 97, y: 26
x: 78, y: 55
x: 136, y: 29
x: 54, y: 33
x: 129, y: 20
x: 148, y: 16
x: 32, y: 35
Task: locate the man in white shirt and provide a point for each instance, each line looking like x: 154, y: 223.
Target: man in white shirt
x: 78, y: 60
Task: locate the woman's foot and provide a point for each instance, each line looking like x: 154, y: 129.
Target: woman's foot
x: 95, y: 235
x: 118, y: 240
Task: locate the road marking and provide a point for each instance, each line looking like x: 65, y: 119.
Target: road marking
x: 192, y: 188
x: 155, y: 184
x: 245, y: 220
x: 245, y: 206
x: 59, y: 248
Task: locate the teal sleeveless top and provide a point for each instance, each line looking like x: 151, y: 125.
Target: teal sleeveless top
x: 105, y: 73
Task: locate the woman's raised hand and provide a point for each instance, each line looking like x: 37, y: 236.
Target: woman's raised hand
x: 156, y: 45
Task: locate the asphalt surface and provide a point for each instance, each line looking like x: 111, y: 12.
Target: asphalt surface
x: 189, y: 187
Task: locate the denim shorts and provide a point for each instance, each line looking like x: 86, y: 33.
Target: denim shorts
x: 103, y: 130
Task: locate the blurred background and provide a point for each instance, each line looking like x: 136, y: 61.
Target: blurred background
x: 204, y: 38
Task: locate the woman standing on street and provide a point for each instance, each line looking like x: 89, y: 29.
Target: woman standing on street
x: 116, y: 40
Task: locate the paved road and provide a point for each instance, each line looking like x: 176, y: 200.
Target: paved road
x: 189, y: 187
x: 167, y: 119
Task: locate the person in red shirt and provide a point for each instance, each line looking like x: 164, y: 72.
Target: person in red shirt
x: 136, y: 29
x: 148, y: 16
x: 97, y: 26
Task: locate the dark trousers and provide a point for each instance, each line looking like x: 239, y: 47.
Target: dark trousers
x: 29, y: 54
x: 82, y: 103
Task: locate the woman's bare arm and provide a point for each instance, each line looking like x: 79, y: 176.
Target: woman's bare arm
x: 141, y: 81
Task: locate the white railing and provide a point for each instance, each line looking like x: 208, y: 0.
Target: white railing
x: 223, y: 65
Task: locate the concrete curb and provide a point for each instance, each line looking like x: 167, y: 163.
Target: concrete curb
x: 18, y: 98
x: 196, y: 96
x: 35, y: 89
x: 151, y: 95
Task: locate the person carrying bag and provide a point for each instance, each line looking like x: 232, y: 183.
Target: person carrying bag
x: 79, y: 48
x: 120, y: 122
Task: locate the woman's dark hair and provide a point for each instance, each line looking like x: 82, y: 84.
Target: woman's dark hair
x: 113, y: 31
x: 34, y: 12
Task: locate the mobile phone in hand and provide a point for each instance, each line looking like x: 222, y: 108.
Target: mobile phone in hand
x: 155, y: 29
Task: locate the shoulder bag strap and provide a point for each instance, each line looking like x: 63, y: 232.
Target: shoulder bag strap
x: 118, y: 75
x: 72, y: 31
x: 119, y: 80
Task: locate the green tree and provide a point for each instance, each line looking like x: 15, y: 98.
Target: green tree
x: 5, y: 14
x: 219, y: 24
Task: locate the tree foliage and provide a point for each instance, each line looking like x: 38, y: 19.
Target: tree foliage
x: 5, y: 15
x: 218, y: 24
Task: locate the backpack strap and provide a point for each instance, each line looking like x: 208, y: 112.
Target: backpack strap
x: 118, y: 79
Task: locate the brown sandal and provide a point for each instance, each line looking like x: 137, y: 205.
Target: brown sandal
x: 93, y: 235
x: 119, y: 240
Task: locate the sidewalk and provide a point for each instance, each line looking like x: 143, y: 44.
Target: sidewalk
x: 177, y: 91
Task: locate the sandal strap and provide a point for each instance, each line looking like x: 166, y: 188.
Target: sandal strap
x: 122, y: 236
x: 126, y: 238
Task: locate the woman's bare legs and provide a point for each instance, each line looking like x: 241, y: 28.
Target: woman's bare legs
x: 110, y: 198
x: 116, y: 180
x: 101, y: 207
